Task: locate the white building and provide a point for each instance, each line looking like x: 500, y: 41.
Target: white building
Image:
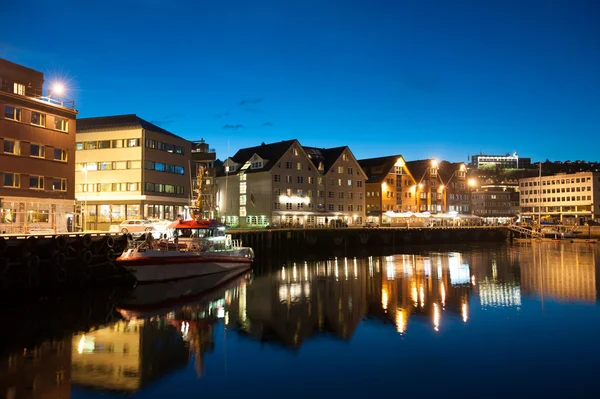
x: 287, y: 184
x: 568, y: 198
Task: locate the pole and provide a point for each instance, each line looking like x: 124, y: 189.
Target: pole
x: 540, y: 196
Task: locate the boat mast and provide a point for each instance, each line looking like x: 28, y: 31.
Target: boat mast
x: 540, y: 195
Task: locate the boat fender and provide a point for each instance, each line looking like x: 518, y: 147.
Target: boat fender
x: 60, y: 259
x: 86, y: 257
x: 110, y: 255
x: 61, y: 242
x: 87, y: 240
x: 32, y: 262
x: 110, y: 242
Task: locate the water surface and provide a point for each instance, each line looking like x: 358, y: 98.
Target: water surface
x: 500, y: 321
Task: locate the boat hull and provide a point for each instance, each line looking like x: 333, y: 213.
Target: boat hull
x: 161, y: 297
x: 155, y: 266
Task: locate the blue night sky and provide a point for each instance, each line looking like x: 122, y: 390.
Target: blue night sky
x: 440, y: 79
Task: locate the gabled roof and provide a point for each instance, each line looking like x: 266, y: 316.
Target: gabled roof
x: 326, y: 155
x: 445, y: 169
x: 386, y: 164
x: 271, y: 152
x: 118, y: 122
x: 418, y: 168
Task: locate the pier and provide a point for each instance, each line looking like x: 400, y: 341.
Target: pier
x: 29, y: 263
x: 281, y: 241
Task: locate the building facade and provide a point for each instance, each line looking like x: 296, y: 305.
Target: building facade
x: 203, y: 178
x: 496, y: 202
x: 37, y: 151
x: 395, y: 185
x: 569, y: 198
x: 285, y: 184
x: 507, y: 161
x: 128, y: 168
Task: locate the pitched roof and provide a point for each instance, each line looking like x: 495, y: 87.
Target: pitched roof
x: 271, y: 152
x: 445, y: 169
x: 385, y: 163
x: 117, y: 122
x: 326, y: 155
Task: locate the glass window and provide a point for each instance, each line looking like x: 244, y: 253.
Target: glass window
x: 13, y: 113
x: 59, y: 184
x: 37, y: 150
x: 60, y: 154
x: 36, y: 182
x: 19, y: 88
x: 79, y: 146
x: 37, y: 118
x: 133, y: 142
x: 117, y: 144
x: 11, y: 147
x: 12, y: 180
x: 61, y: 124
x: 104, y: 144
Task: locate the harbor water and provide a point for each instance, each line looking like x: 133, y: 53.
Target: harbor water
x: 478, y: 321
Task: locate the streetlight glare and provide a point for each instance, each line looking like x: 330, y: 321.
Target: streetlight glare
x: 58, y: 88
x: 434, y: 163
x: 472, y: 182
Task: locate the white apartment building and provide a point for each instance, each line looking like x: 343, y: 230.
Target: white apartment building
x: 128, y: 168
x: 569, y: 198
x: 285, y: 184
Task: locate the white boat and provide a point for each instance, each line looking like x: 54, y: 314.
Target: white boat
x: 559, y: 232
x: 199, y: 247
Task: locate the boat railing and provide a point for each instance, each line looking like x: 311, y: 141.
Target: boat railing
x: 236, y: 243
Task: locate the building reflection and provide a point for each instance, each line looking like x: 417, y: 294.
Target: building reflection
x: 42, y: 372
x: 560, y: 271
x: 496, y: 278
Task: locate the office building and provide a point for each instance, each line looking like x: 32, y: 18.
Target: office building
x: 286, y: 184
x: 496, y: 202
x: 570, y: 198
x: 37, y: 148
x: 507, y: 161
x: 128, y: 168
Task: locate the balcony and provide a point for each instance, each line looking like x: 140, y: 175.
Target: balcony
x: 36, y: 95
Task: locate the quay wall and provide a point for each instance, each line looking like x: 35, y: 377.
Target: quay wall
x: 324, y: 241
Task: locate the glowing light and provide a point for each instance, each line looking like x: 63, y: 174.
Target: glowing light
x: 221, y: 312
x: 414, y: 294
x: 283, y: 273
x: 436, y: 317
x: 472, y: 182
x: 399, y: 162
x: 443, y: 291
x: 434, y: 163
x: 295, y: 272
x: 421, y: 295
x: 384, y: 298
x: 442, y: 187
x: 400, y: 321
x: 294, y: 199
x: 58, y: 88
x: 473, y: 280
x: 464, y: 312
x: 420, y: 185
x: 81, y: 344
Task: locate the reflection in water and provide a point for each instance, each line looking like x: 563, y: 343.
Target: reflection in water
x: 566, y: 272
x: 301, y: 300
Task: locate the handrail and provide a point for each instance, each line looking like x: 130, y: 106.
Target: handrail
x: 528, y: 232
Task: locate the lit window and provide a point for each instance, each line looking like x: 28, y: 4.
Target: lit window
x: 133, y: 142
x: 12, y: 147
x: 36, y: 182
x: 295, y: 151
x: 19, y: 89
x: 299, y: 166
x: 344, y: 157
x: 12, y: 180
x: 61, y: 124
x: 37, y: 150
x: 12, y: 113
x: 340, y: 169
x: 37, y: 118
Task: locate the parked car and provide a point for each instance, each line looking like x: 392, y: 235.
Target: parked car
x: 136, y: 226
x: 371, y: 224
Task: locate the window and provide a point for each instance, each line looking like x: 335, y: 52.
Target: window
x: 341, y: 194
x: 288, y: 165
x: 277, y: 205
x: 288, y: 206
x: 311, y: 180
x: 12, y: 113
x: 36, y: 182
x: 133, y: 142
x: 340, y: 169
x: 350, y: 171
x: 12, y: 180
x: 37, y: 150
x: 257, y: 165
x: 350, y: 208
x: 37, y: 118
x: 359, y: 208
x: 341, y: 207
x: 360, y: 196
x: 330, y: 207
x: 117, y: 144
x: 288, y: 192
x: 295, y: 150
x: 288, y: 179
x: 276, y: 178
x: 278, y: 192
x: 61, y: 124
x: 299, y: 166
x: 330, y: 194
x: 344, y: 157
x: 300, y: 179
x: 19, y: 89
x: 351, y: 195
x: 349, y: 182
x: 59, y: 184
x: 339, y: 182
x: 12, y: 147
x: 359, y: 183
x: 321, y: 167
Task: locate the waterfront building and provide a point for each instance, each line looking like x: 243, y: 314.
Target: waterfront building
x: 496, y: 202
x: 395, y: 185
x: 37, y: 147
x: 570, y: 198
x: 128, y: 168
x: 285, y: 183
x: 203, y: 177
x: 507, y: 161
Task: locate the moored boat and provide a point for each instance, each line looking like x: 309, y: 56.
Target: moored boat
x: 197, y: 248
